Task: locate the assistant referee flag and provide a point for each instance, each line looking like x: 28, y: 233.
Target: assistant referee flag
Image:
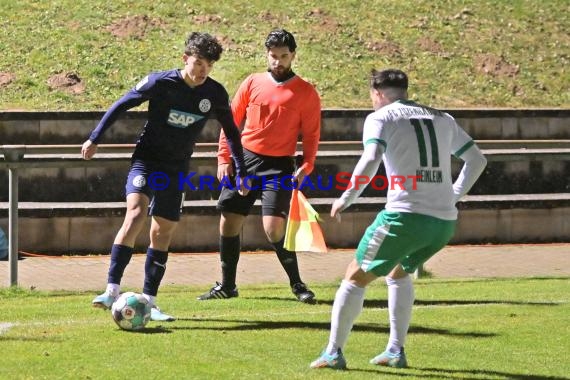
x: 303, y: 232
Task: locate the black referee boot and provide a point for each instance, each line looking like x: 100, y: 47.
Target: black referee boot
x: 303, y: 293
x: 218, y: 292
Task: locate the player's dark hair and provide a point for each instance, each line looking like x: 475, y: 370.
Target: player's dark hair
x: 280, y: 38
x: 203, y: 45
x: 390, y: 78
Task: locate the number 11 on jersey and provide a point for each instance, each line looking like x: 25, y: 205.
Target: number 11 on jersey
x: 428, y: 124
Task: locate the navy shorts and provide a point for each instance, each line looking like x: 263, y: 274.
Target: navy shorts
x: 272, y: 180
x: 161, y: 184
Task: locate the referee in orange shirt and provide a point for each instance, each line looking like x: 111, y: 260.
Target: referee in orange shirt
x: 273, y: 108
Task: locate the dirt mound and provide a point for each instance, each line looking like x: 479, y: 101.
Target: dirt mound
x: 430, y: 45
x: 66, y: 81
x: 134, y: 26
x: 227, y: 43
x: 323, y: 21
x: 387, y: 48
x: 495, y: 65
x: 207, y: 19
x: 6, y: 78
x: 273, y: 18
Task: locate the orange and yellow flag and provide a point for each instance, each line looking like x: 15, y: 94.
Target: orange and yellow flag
x: 303, y: 231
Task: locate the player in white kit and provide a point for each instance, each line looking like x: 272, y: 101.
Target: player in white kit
x: 416, y: 143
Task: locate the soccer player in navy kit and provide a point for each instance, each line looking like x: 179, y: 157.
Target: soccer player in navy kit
x: 179, y: 104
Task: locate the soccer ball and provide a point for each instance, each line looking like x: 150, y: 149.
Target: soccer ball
x: 131, y: 311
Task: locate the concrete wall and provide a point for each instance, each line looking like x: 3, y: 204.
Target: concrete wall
x: 92, y: 228
x: 199, y: 232
x: 74, y: 127
x: 106, y: 184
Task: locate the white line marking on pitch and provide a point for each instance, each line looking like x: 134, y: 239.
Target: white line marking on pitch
x: 4, y: 327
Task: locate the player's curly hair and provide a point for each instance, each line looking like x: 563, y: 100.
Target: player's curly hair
x: 203, y: 45
x: 280, y: 38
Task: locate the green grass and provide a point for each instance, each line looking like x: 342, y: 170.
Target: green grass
x: 336, y: 39
x: 461, y: 329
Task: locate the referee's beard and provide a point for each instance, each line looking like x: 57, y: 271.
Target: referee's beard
x: 281, y: 73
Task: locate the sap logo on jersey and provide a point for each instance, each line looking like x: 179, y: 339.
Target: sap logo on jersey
x: 181, y: 119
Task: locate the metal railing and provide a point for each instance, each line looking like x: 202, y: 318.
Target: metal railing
x: 17, y: 157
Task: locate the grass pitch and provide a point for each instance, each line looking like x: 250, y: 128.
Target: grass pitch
x: 461, y: 329
x: 79, y: 55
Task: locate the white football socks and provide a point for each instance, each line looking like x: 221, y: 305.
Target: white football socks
x: 400, y: 302
x: 113, y: 289
x: 347, y: 305
x: 150, y: 299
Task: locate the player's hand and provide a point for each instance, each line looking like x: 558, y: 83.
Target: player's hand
x: 88, y: 150
x: 243, y: 185
x: 225, y: 171
x: 337, y: 207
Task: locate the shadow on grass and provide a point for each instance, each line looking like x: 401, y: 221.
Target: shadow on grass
x: 442, y: 373
x: 149, y: 330
x: 439, y: 281
x: 384, y: 304
x: 246, y: 325
x: 29, y: 339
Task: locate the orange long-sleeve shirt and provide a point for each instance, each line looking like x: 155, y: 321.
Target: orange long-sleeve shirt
x: 273, y: 116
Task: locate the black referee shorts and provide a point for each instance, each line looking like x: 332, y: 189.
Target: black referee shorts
x: 272, y: 179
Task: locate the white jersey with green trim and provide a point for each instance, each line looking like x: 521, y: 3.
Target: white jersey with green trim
x: 418, y: 142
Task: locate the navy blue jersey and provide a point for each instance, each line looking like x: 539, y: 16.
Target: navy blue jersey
x: 177, y: 113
